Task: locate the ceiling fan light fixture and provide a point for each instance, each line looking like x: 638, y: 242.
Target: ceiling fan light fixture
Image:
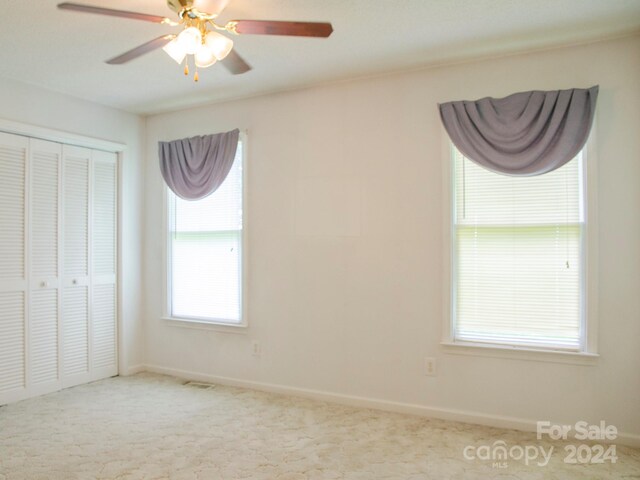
x: 204, y: 57
x: 190, y: 40
x: 199, y: 36
x: 218, y: 44
x: 175, y: 50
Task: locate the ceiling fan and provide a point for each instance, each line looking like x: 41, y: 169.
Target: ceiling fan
x: 200, y: 36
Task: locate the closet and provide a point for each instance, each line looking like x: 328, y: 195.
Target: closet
x: 58, y: 217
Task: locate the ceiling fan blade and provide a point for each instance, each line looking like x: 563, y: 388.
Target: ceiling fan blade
x: 77, y: 7
x: 235, y: 63
x: 141, y: 50
x: 267, y: 27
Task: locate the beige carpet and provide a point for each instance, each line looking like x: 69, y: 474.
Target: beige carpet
x: 154, y: 427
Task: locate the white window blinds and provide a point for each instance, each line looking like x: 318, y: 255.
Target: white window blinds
x: 518, y: 269
x: 205, y: 252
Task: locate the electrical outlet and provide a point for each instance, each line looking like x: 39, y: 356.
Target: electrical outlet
x: 430, y: 366
x: 255, y: 348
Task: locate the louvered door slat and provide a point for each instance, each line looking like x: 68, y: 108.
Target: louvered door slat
x: 12, y: 351
x: 75, y: 290
x: 13, y: 159
x: 75, y: 331
x: 103, y: 263
x: 76, y: 212
x: 104, y: 215
x: 43, y: 333
x: 44, y: 260
x: 13, y: 185
x: 45, y: 157
x: 104, y: 326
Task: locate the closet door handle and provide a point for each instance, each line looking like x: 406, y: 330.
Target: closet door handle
x: 74, y: 282
x: 44, y: 284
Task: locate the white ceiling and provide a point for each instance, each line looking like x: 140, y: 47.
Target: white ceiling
x: 65, y: 51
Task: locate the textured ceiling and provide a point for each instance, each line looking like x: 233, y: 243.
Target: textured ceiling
x: 65, y: 51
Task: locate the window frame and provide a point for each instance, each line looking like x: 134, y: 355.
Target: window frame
x: 200, y: 322
x: 587, y: 355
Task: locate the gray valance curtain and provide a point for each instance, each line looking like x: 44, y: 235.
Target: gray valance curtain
x: 195, y: 167
x: 527, y: 133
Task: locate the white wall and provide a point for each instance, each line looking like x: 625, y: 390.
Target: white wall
x: 34, y: 106
x: 346, y: 251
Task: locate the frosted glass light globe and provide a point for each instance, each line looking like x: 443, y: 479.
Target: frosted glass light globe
x: 175, y: 50
x: 204, y: 57
x: 213, y: 7
x: 218, y: 44
x: 190, y: 39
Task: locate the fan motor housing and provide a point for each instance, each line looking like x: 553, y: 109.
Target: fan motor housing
x: 179, y: 5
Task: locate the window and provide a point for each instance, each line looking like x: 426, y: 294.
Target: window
x: 205, y: 253
x: 518, y: 271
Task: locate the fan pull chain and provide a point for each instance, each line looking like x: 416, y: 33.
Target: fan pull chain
x: 186, y: 66
x: 195, y: 76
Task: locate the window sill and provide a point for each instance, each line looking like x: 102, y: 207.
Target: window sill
x: 205, y: 325
x: 520, y: 353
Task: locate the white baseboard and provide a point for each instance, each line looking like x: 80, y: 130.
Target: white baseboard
x: 497, y: 421
x: 132, y: 370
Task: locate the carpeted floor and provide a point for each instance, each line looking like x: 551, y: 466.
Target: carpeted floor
x: 154, y: 427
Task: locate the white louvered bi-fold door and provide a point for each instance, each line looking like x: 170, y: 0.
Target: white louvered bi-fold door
x: 13, y: 281
x: 58, y: 257
x: 103, y: 265
x: 76, y: 324
x: 44, y: 294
